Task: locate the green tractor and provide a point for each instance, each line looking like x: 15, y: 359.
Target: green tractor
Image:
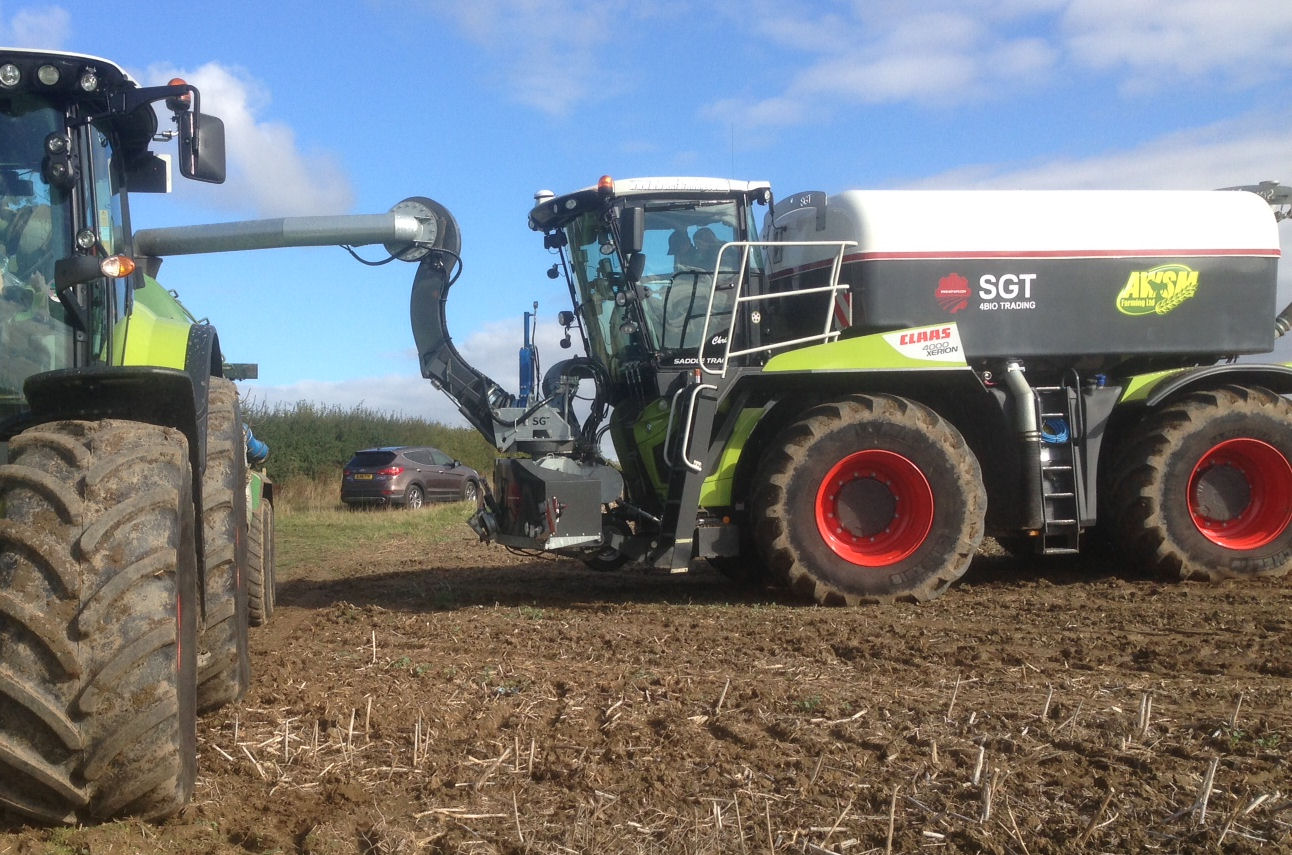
x: 133, y: 525
x: 137, y: 534
x: 846, y: 393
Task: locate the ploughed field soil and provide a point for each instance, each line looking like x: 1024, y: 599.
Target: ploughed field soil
x: 452, y: 697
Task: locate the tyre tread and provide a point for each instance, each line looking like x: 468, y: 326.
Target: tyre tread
x: 792, y: 450
x: 92, y: 577
x: 1136, y: 503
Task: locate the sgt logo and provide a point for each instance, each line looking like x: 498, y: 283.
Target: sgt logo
x: 1157, y: 291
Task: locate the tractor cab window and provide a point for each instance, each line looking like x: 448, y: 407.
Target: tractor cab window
x: 688, y: 282
x: 687, y: 285
x: 35, y: 335
x: 105, y: 215
x: 613, y: 334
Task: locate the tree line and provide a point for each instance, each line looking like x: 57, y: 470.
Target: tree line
x: 314, y: 441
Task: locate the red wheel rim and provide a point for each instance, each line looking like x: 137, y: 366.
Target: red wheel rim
x: 874, y: 508
x: 1240, y: 494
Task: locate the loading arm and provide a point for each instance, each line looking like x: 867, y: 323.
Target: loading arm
x: 416, y: 229
x: 410, y: 230
x: 539, y: 428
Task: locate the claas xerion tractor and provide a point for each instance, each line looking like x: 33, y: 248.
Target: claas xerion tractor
x: 136, y: 525
x: 847, y: 393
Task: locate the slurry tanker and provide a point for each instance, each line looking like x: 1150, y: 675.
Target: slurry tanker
x: 845, y: 393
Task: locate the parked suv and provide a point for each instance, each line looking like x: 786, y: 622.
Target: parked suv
x: 407, y: 475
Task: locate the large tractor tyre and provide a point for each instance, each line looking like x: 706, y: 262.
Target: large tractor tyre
x: 1204, y: 489
x: 223, y: 664
x: 98, y: 622
x: 869, y: 499
x: 261, y: 576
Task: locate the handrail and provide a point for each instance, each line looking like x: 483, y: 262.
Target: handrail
x: 685, y: 439
x: 826, y: 334
x: 668, y: 429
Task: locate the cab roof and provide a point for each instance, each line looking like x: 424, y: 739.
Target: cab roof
x: 552, y: 210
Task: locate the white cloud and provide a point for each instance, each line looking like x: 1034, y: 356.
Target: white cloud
x: 267, y: 169
x: 950, y: 51
x: 1240, y: 151
x: 46, y: 27
x: 881, y: 53
x: 1154, y: 43
x: 548, y: 54
x: 493, y: 348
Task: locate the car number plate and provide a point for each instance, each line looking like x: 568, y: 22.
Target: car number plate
x: 363, y: 476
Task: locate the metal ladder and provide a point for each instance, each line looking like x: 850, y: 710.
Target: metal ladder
x: 1059, y: 462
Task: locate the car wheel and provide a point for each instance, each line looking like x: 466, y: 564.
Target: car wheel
x: 413, y: 497
x: 470, y: 491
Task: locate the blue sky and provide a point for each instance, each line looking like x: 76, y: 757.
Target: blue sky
x: 350, y: 107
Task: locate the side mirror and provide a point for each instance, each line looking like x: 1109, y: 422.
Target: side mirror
x: 632, y: 229
x: 74, y: 270
x: 636, y: 265
x: 201, y: 147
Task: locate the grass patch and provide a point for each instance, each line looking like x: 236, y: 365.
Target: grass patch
x: 301, y: 495
x: 345, y: 537
x: 309, y: 440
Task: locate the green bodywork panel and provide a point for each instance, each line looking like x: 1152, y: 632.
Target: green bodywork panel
x: 929, y: 348
x: 649, y: 431
x: 934, y: 348
x: 717, y: 488
x: 1140, y: 386
x: 156, y: 331
x: 256, y: 480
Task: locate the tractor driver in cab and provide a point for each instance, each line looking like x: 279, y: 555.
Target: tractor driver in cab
x: 703, y: 255
x: 695, y: 259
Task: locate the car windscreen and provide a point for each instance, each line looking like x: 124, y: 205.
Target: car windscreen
x: 371, y: 458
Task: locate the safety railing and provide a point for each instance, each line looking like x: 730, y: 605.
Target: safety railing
x: 829, y: 329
